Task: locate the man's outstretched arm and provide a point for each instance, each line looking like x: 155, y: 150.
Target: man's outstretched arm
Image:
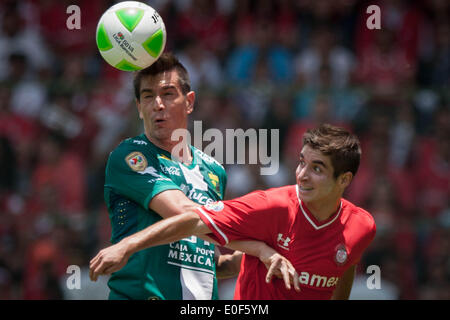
x: 114, y: 258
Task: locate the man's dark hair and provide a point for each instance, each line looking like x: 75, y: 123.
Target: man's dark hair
x: 341, y: 146
x: 166, y: 62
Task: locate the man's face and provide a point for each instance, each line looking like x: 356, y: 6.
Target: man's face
x: 315, y: 179
x: 163, y: 107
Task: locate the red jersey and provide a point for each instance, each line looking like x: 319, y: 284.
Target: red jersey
x: 319, y: 251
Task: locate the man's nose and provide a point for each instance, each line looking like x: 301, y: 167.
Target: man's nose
x: 302, y: 173
x: 159, y: 103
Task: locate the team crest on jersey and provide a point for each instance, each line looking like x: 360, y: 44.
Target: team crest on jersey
x: 136, y: 161
x: 215, y: 206
x: 341, y: 255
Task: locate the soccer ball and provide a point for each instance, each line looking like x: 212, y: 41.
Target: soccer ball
x: 131, y: 35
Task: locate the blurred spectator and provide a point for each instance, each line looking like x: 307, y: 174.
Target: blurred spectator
x: 431, y: 169
x: 321, y: 113
x: 439, y: 65
x: 204, y: 68
x: 45, y: 264
x: 254, y: 46
x: 8, y: 174
x: 402, y: 136
x: 253, y: 99
x: 348, y: 102
x: 52, y: 18
x: 19, y: 38
x: 203, y: 22
x: 384, y: 67
x: 323, y: 51
x: 58, y: 116
x: 28, y: 96
x: 375, y: 165
x: 280, y: 115
x: 55, y: 165
x: 404, y: 22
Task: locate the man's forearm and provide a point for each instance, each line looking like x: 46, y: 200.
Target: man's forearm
x: 252, y: 247
x: 228, y: 265
x: 166, y: 231
x: 344, y: 286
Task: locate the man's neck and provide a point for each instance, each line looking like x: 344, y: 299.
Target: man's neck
x: 179, y: 150
x: 322, y: 210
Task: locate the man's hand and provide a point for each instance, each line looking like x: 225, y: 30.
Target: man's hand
x: 109, y: 260
x: 279, y: 267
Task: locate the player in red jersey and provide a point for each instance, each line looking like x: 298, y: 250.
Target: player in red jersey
x: 319, y: 232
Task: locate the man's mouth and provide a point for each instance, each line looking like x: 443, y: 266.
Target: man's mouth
x: 303, y: 188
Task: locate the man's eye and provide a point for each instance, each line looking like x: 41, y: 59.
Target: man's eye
x: 317, y: 169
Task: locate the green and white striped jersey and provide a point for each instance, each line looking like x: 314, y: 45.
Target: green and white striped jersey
x: 136, y: 171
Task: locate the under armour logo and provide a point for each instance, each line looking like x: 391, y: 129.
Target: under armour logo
x: 283, y: 243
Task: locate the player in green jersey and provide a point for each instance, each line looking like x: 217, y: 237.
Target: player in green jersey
x: 144, y: 184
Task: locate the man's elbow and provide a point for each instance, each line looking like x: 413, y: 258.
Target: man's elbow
x: 188, y: 207
x: 194, y: 223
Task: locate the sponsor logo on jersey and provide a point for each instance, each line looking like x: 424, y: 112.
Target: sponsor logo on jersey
x: 172, y: 170
x: 152, y: 171
x: 198, y: 258
x: 136, y: 161
x: 199, y: 197
x: 162, y: 156
x: 283, y: 242
x: 215, y: 182
x: 316, y: 280
x: 207, y: 158
x: 215, y: 206
x: 140, y: 142
x: 341, y: 255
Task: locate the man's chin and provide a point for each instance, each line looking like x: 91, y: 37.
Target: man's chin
x: 303, y: 197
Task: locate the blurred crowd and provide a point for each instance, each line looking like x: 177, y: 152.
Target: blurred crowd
x: 275, y: 64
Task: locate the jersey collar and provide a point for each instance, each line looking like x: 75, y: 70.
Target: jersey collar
x: 312, y: 220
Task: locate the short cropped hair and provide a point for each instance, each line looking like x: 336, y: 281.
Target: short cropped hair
x: 166, y: 62
x: 341, y: 146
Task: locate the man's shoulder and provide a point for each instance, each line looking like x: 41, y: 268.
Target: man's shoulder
x: 207, y: 160
x: 138, y: 143
x: 134, y: 154
x: 359, y: 215
x: 279, y: 198
x: 282, y: 193
x: 135, y: 146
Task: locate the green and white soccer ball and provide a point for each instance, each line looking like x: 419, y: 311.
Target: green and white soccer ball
x: 131, y: 35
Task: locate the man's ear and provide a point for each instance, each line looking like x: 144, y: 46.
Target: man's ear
x: 191, y: 99
x: 345, y: 179
x: 138, y: 105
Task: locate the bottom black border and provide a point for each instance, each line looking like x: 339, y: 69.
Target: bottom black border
x: 221, y: 309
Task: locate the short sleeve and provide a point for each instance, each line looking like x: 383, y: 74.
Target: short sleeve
x: 135, y: 176
x: 248, y: 217
x: 368, y: 229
